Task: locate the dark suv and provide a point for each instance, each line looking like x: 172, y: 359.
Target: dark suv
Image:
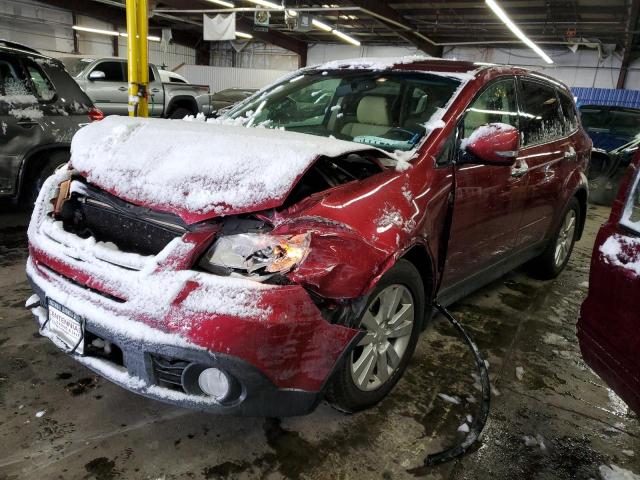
x: 41, y: 108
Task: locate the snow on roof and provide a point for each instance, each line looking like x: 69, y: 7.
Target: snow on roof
x: 386, y: 63
x: 196, y: 167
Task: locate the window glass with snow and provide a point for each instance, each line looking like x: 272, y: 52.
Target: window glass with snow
x: 13, y: 85
x: 42, y: 84
x: 631, y: 215
x: 496, y: 104
x: 393, y: 111
x: 568, y: 112
x: 542, y: 119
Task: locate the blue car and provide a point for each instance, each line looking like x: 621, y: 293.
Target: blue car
x: 610, y: 127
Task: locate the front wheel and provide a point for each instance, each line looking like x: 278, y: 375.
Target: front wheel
x: 556, y: 255
x: 179, y: 113
x: 392, y: 325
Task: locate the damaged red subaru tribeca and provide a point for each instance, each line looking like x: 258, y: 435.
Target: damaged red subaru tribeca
x: 290, y: 251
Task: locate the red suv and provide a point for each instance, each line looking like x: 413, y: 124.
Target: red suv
x: 290, y: 251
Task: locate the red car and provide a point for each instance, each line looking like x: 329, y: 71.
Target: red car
x: 290, y: 251
x: 608, y: 325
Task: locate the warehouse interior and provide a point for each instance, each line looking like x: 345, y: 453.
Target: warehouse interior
x: 522, y: 369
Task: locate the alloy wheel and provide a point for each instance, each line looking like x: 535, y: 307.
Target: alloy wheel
x: 565, y: 237
x: 388, y: 322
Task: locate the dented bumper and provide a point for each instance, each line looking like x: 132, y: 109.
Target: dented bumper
x: 281, y: 360
x: 272, y: 339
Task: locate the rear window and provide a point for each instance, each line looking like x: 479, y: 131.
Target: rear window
x: 44, y: 89
x: 542, y: 119
x: 568, y: 112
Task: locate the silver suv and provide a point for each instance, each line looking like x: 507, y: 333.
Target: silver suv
x: 41, y: 108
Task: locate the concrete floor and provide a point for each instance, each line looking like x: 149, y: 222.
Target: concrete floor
x: 92, y: 429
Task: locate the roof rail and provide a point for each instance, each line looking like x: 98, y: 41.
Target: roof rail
x: 18, y: 46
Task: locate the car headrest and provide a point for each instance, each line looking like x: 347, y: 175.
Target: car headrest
x: 374, y: 111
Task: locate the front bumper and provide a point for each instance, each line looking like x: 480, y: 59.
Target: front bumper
x: 272, y: 339
x: 138, y: 373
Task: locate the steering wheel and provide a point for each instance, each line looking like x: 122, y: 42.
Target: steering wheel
x: 400, y: 134
x: 285, y: 108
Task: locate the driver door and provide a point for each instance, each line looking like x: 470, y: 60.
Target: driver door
x: 489, y: 199
x: 111, y: 93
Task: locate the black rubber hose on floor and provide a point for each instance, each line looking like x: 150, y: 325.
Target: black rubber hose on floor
x: 480, y: 420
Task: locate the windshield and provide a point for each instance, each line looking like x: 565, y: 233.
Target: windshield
x: 385, y: 109
x: 75, y: 65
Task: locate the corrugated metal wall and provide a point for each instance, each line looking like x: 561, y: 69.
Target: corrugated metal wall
x: 607, y: 96
x: 219, y: 78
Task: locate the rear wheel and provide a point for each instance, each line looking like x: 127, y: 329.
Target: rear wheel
x: 40, y: 171
x: 556, y: 255
x: 392, y: 325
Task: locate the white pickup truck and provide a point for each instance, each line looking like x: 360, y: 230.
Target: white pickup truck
x: 104, y: 80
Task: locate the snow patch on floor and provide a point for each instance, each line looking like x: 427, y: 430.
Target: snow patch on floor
x: 614, y: 472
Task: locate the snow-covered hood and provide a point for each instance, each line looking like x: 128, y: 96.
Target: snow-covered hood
x: 194, y: 169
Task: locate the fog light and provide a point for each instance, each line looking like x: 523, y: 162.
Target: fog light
x: 214, y: 382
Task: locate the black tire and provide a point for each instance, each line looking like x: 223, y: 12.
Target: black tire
x: 40, y: 171
x: 180, y: 113
x: 546, y: 266
x: 343, y: 392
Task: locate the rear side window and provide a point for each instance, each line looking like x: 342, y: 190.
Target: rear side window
x: 542, y: 119
x: 45, y: 91
x: 13, y: 80
x: 568, y: 112
x: 496, y: 104
x: 113, y: 71
x: 631, y: 215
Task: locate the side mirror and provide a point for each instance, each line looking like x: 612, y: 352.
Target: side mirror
x: 493, y: 144
x: 97, y: 75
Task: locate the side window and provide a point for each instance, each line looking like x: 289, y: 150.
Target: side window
x: 631, y: 215
x: 568, y: 112
x: 496, y: 104
x: 113, y: 71
x: 43, y: 86
x: 12, y: 78
x: 125, y: 67
x: 542, y: 120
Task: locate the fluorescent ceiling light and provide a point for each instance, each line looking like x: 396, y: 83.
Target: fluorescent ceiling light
x: 151, y: 38
x: 268, y: 4
x: 223, y: 3
x: 243, y: 35
x: 321, y: 25
x: 517, y: 32
x: 96, y: 30
x: 346, y: 38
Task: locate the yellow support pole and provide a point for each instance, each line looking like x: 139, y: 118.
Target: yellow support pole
x: 132, y: 57
x: 137, y: 57
x: 143, y: 59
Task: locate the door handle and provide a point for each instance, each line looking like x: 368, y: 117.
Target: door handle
x: 123, y: 89
x: 155, y: 90
x: 519, y: 169
x: 27, y: 123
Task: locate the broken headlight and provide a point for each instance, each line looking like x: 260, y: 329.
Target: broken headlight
x: 256, y: 255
